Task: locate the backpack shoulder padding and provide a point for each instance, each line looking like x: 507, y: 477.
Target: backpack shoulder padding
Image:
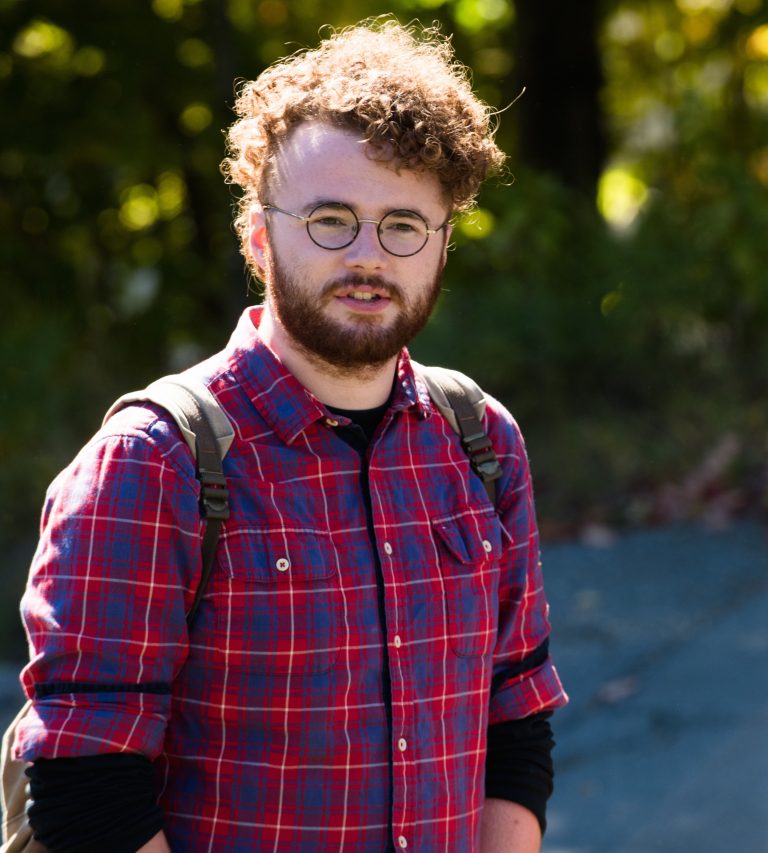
x: 209, y: 435
x: 437, y: 379
x: 183, y: 398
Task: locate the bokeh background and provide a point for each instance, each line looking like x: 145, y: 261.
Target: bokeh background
x: 612, y: 290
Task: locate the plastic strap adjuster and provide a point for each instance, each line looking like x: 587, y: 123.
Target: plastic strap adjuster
x: 214, y: 496
x: 482, y: 457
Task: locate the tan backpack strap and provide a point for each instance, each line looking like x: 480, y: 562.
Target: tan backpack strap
x: 173, y: 394
x: 462, y: 403
x: 209, y: 435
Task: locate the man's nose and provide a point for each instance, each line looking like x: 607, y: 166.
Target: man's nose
x: 366, y: 250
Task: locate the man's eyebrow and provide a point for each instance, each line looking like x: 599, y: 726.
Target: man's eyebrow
x: 335, y: 202
x: 408, y: 213
x: 323, y: 202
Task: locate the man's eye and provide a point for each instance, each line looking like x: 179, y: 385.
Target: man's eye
x: 329, y: 222
x: 401, y: 228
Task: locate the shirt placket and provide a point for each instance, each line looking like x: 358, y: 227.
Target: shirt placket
x: 404, y: 749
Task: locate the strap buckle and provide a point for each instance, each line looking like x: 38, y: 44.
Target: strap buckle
x: 482, y: 458
x: 214, y: 495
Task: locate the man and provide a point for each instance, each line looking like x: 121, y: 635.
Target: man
x: 368, y: 669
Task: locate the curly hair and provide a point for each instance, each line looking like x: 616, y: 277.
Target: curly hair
x: 400, y: 88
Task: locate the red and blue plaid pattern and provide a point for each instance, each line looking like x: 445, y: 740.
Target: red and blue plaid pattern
x: 272, y: 723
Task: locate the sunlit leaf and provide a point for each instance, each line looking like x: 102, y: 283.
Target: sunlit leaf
x: 477, y: 224
x: 169, y: 10
x: 88, y: 61
x: 473, y: 15
x: 756, y: 85
x: 139, y: 208
x: 698, y: 29
x: 669, y: 46
x: 194, y: 53
x: 757, y: 43
x: 620, y: 197
x: 196, y: 117
x: 610, y: 302
x: 42, y: 38
x: 171, y: 192
x: 691, y: 7
x: 625, y: 25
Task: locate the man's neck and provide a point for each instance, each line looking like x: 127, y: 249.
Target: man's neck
x: 365, y: 388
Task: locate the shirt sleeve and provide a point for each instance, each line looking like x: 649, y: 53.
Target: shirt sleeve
x: 524, y: 680
x: 115, y: 569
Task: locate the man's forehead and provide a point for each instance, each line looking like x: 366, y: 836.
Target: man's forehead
x: 315, y: 135
x: 323, y: 160
x: 317, y: 144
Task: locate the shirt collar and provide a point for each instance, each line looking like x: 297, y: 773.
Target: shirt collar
x: 285, y: 404
x: 410, y: 390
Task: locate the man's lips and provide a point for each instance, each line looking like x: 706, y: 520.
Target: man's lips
x: 364, y: 303
x: 363, y: 293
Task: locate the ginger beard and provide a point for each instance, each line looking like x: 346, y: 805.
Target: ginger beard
x: 364, y: 341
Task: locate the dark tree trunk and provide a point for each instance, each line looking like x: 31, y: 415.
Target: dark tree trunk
x: 558, y: 61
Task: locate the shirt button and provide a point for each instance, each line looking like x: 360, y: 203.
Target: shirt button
x: 387, y: 548
x: 402, y: 842
x: 282, y: 565
x: 402, y: 744
x: 397, y: 641
x: 487, y: 546
x: 332, y: 422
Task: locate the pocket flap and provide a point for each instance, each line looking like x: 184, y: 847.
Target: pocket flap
x: 471, y: 538
x: 278, y: 556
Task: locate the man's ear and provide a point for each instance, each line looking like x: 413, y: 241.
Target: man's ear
x: 447, y: 241
x: 257, y: 235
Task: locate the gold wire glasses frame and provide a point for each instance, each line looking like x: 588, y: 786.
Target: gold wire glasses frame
x: 333, y: 225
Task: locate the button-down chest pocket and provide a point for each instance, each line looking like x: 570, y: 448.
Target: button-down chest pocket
x: 281, y: 611
x: 470, y: 549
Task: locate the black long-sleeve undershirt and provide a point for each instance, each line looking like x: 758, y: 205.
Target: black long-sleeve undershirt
x: 94, y: 803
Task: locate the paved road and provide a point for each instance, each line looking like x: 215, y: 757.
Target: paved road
x: 662, y: 641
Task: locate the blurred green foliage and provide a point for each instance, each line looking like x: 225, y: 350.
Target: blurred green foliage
x: 626, y: 328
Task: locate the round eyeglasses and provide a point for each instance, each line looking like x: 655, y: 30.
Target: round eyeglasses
x: 333, y: 225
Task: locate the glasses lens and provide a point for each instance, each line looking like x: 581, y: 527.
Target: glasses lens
x: 332, y: 226
x: 403, y: 232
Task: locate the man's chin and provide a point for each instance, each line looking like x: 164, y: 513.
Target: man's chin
x: 350, y: 348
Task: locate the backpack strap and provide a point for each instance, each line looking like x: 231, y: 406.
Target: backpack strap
x: 209, y: 435
x: 462, y: 403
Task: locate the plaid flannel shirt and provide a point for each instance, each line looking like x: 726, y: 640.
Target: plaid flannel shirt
x: 323, y: 699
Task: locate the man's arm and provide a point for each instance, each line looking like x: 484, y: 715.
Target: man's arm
x: 158, y: 844
x: 525, y: 687
x: 507, y: 828
x: 104, y: 608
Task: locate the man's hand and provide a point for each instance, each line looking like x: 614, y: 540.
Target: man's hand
x: 508, y: 828
x: 158, y: 844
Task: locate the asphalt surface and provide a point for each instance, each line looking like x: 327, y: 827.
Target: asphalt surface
x: 661, y: 638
